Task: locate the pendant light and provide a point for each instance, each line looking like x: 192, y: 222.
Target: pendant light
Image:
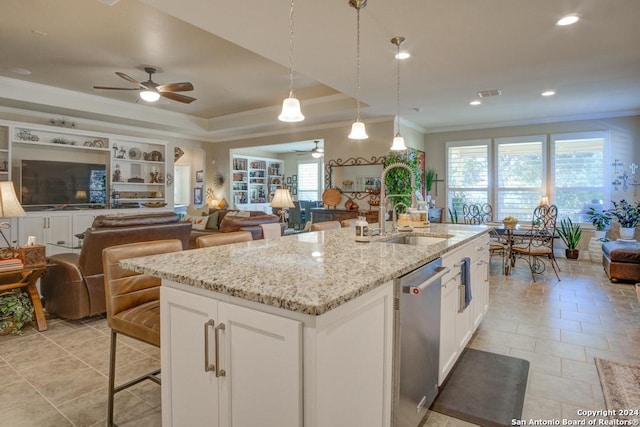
x: 358, y: 130
x: 398, y: 141
x: 291, y: 106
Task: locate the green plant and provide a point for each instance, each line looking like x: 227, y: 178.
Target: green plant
x: 627, y: 214
x: 600, y: 220
x: 398, y: 180
x: 15, y: 305
x: 570, y: 233
x: 429, y: 178
x: 453, y: 215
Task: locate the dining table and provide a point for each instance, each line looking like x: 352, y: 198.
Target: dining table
x: 510, y: 235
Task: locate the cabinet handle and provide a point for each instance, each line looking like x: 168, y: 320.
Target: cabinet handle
x: 461, y: 306
x: 207, y: 366
x: 219, y: 372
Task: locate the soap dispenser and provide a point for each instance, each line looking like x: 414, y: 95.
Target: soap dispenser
x: 362, y: 230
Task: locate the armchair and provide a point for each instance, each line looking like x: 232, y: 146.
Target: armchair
x: 73, y: 287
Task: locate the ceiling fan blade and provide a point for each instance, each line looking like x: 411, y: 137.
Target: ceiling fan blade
x: 178, y: 97
x: 130, y: 79
x: 175, y: 87
x: 116, y: 88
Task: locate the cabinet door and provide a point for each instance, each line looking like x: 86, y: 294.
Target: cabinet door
x: 262, y: 360
x: 189, y: 393
x: 32, y: 225
x: 59, y: 230
x: 448, y: 309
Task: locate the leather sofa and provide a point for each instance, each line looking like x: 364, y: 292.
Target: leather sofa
x: 73, y: 287
x: 220, y: 221
x: 621, y: 260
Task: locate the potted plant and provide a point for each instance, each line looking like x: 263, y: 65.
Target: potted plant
x: 570, y: 234
x: 429, y: 179
x: 15, y: 310
x: 600, y: 222
x: 628, y: 216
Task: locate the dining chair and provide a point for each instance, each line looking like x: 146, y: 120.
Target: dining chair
x: 475, y: 214
x: 326, y: 225
x: 537, y: 243
x: 133, y: 305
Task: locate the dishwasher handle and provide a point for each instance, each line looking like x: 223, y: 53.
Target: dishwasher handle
x: 415, y: 290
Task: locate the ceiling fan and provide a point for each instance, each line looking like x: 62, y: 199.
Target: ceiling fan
x: 316, y: 152
x: 151, y: 91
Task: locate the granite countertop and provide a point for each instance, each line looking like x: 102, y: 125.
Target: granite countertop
x: 310, y: 273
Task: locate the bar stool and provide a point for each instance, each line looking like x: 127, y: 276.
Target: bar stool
x: 326, y: 225
x: 133, y: 305
x: 218, y: 239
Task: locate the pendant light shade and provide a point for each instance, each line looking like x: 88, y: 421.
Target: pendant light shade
x: 291, y: 110
x: 398, y: 141
x: 358, y: 130
x: 291, y: 106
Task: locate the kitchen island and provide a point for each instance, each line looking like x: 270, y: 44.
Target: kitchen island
x: 287, y: 332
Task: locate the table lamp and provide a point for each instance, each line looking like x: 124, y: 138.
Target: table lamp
x: 544, y: 201
x: 281, y: 200
x: 9, y: 207
x: 81, y: 195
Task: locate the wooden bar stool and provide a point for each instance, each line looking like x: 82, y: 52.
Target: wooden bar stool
x: 133, y: 304
x: 326, y: 225
x: 219, y: 239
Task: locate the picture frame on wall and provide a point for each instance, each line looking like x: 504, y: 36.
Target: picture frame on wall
x: 200, y: 176
x: 288, y: 180
x: 197, y: 196
x: 294, y: 179
x: 294, y: 191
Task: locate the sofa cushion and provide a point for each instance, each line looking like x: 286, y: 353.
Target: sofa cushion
x: 124, y: 220
x: 622, y: 251
x: 212, y: 223
x: 235, y: 223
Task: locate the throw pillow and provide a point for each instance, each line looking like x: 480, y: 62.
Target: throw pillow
x: 244, y: 214
x: 192, y: 211
x: 212, y: 223
x: 198, y: 222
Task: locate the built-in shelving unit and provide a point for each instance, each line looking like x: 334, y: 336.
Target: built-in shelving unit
x: 254, y: 181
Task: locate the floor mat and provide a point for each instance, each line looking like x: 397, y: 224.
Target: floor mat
x: 484, y: 388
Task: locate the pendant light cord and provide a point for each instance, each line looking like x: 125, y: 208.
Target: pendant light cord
x: 398, y: 90
x: 291, y: 51
x: 358, y: 64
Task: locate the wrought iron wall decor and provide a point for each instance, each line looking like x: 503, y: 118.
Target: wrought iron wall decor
x: 369, y: 184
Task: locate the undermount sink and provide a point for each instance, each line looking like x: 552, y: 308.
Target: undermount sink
x: 418, y: 240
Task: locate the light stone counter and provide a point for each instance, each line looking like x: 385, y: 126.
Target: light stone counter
x: 310, y: 273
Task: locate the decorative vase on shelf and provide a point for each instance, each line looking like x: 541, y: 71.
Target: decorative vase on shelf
x: 627, y: 233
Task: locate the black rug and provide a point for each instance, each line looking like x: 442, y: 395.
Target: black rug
x: 484, y: 388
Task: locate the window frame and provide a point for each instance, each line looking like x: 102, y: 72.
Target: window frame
x: 320, y: 182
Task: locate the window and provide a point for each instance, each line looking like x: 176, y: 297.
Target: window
x: 520, y: 176
x: 467, y: 174
x: 570, y: 169
x: 309, y: 180
x: 579, y: 171
x: 182, y: 184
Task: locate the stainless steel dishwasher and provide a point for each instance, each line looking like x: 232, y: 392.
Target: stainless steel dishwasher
x: 417, y: 343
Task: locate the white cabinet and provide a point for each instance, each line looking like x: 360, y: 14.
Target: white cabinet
x: 226, y: 365
x: 457, y: 324
x: 49, y: 228
x: 340, y: 373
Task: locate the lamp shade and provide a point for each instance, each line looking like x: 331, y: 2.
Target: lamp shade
x: 398, y: 143
x: 358, y: 131
x: 544, y: 200
x: 149, y: 95
x: 291, y: 110
x: 282, y: 199
x: 81, y: 195
x: 9, y: 205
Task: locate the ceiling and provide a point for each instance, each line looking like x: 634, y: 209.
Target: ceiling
x: 236, y: 54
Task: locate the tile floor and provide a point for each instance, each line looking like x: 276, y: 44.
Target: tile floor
x: 59, y: 377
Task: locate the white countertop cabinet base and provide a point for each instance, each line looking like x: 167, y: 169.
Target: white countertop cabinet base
x: 260, y: 354
x: 281, y: 368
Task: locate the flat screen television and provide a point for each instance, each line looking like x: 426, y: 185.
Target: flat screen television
x: 62, y: 183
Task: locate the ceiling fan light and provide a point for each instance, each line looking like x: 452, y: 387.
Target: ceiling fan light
x: 291, y: 110
x: 317, y: 154
x: 358, y: 131
x: 398, y: 143
x: 149, y: 95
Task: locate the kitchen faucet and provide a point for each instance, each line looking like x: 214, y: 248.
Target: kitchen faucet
x: 384, y: 196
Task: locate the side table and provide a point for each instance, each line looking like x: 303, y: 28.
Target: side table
x: 26, y: 277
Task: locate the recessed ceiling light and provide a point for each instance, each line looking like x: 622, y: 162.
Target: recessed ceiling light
x: 567, y: 20
x: 489, y: 93
x: 548, y: 93
x: 21, y: 71
x: 475, y: 102
x: 403, y: 55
